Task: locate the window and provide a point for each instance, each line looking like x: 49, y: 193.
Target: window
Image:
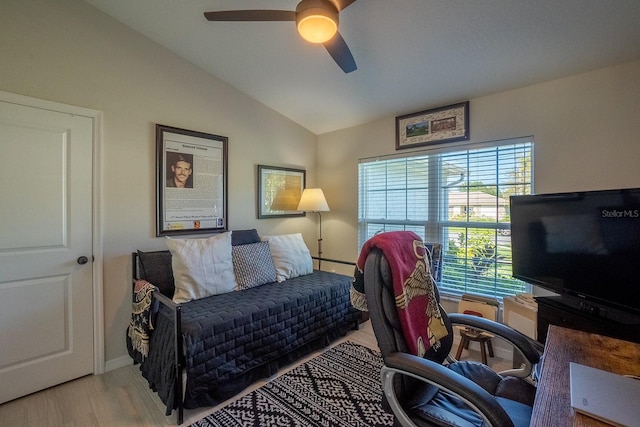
x: 458, y: 198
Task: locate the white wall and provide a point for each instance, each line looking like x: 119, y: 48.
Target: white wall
x: 69, y: 52
x: 586, y: 130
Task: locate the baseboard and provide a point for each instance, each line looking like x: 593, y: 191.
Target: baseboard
x: 119, y: 362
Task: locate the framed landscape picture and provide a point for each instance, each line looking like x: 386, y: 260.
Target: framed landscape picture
x: 435, y: 126
x: 279, y: 191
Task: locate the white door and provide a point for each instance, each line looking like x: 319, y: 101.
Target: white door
x: 46, y: 292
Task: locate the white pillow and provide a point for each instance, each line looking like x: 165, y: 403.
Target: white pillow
x: 201, y: 267
x: 290, y: 256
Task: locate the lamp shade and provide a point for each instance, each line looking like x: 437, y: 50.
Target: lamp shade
x: 313, y: 200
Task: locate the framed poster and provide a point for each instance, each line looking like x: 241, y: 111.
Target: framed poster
x: 191, y: 170
x: 435, y: 126
x: 279, y: 191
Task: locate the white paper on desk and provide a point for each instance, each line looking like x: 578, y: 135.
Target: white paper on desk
x: 606, y: 396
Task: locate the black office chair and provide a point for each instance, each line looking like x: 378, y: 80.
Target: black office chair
x: 422, y: 391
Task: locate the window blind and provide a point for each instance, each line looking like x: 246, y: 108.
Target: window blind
x: 459, y: 198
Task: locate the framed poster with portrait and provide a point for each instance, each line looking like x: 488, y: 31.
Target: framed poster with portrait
x: 279, y: 191
x: 191, y: 172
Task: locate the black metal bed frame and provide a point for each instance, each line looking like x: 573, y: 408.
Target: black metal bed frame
x: 176, y: 309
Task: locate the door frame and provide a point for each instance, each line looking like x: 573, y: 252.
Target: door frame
x: 97, y: 269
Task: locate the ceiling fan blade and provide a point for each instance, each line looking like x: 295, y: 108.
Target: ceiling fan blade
x: 340, y: 53
x: 343, y: 4
x: 251, y: 15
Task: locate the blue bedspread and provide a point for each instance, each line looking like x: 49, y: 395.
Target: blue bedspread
x: 230, y: 340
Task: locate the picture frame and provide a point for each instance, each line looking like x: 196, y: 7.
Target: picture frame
x: 191, y: 179
x: 434, y: 126
x: 279, y: 191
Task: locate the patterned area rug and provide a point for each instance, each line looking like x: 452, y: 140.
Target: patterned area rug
x: 340, y: 387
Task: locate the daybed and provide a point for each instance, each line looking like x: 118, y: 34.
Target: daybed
x: 229, y: 340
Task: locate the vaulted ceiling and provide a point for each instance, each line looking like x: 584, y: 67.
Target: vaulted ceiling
x: 411, y: 54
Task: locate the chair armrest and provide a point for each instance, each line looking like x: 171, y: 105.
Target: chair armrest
x: 528, y: 347
x: 478, y: 399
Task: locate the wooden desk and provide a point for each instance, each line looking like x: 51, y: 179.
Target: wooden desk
x: 552, y: 406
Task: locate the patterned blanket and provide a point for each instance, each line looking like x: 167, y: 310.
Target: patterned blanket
x: 141, y: 323
x: 413, y: 285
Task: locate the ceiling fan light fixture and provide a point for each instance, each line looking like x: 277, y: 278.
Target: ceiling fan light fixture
x: 317, y: 23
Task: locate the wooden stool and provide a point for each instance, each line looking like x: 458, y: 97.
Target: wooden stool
x: 481, y: 337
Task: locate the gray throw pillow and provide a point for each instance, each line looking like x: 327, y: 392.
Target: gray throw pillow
x: 253, y: 265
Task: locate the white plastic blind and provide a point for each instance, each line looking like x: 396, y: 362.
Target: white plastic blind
x: 458, y: 198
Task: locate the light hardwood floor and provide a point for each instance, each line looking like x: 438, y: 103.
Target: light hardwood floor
x: 122, y: 398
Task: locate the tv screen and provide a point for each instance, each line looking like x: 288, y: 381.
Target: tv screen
x: 586, y: 244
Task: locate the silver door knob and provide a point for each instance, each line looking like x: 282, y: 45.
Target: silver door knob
x: 82, y: 260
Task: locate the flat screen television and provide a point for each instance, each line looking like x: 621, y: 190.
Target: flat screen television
x: 585, y: 244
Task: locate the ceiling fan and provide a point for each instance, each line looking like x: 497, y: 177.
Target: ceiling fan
x: 316, y: 20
